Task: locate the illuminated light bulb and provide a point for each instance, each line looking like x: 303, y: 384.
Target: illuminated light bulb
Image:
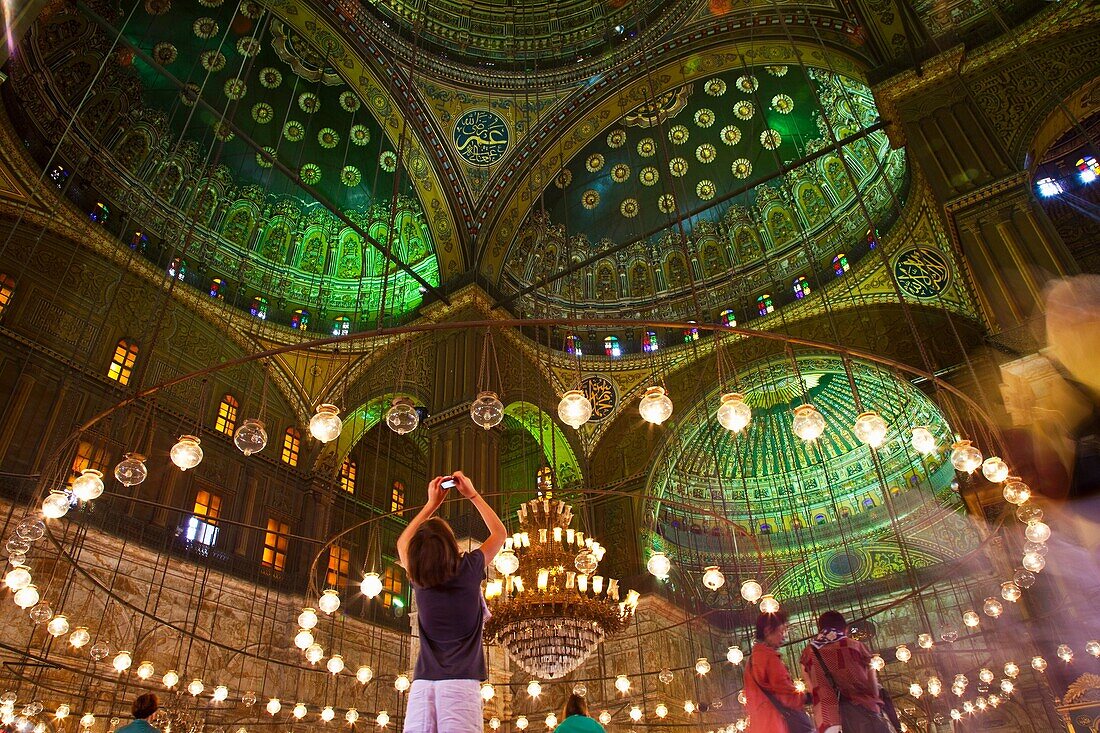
x: 26, y: 596
x: 1011, y: 669
x: 1023, y: 577
x: 487, y: 410
x: 1038, y: 664
x: 364, y: 674
x: 250, y: 437
x: 335, y: 664
x: 329, y: 601
x: 145, y: 670
x: 402, y: 417
x: 605, y: 717
x: 170, y: 679
x: 935, y: 687
x: 325, y: 425
x: 186, y: 453
x: 903, y: 654
x: 992, y: 607
x: 713, y: 578
x: 702, y: 666
x: 734, y: 414
x: 551, y: 721
x: 58, y: 625
x: 659, y: 566
x: 751, y: 591
x: 661, y: 710
x: 522, y: 722
x: 925, y: 641
x: 923, y: 441
x: 122, y: 661
x: 195, y: 687
x: 487, y: 692
x: 18, y: 578
x: 1016, y: 491
x: 220, y: 694
x: 87, y: 720
x: 799, y: 686
x: 56, y: 505
x: 1037, y: 531
x: 1033, y: 562
x: 299, y: 710
x: 585, y: 562
x: 916, y: 690
x: 734, y: 655
x: 303, y: 639
x: 655, y: 406
x: 635, y: 713
x: 1065, y: 653
x: 494, y: 723
x: 1010, y: 591
x: 574, y: 409
x: 689, y: 707
x: 534, y: 689
x: 328, y: 714
x: 131, y: 470
x: 351, y: 716
x: 870, y: 428
x: 622, y: 683
x: 401, y: 683
x: 971, y: 619
x: 506, y: 562
x: 807, y: 423
x: 980, y: 703
x: 62, y: 711
x: 965, y: 457
x: 315, y: 653
x: 1007, y: 686
x: 307, y: 619
x: 580, y: 689
x: 994, y: 469
x: 89, y: 485
x: 956, y: 715
x: 383, y: 719
x: 968, y: 707
x: 1093, y: 647
x: 985, y: 675
x: 994, y: 700
x: 768, y: 604
x: 371, y: 585
x: 274, y: 705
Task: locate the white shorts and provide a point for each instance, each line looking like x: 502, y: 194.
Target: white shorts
x: 444, y: 706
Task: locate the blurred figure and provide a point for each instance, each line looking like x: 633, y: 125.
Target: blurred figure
x: 843, y: 687
x: 574, y: 719
x: 774, y: 705
x: 144, y: 706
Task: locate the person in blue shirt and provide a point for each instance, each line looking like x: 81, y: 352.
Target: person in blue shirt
x: 575, y: 717
x: 144, y: 706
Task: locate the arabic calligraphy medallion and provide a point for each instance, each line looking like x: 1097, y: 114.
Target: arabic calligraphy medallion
x: 481, y: 137
x: 922, y: 272
x: 601, y: 393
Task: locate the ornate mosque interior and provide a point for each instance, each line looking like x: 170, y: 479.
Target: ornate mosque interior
x: 775, y: 303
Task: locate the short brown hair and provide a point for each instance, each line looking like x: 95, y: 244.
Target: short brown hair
x: 832, y: 621
x: 433, y: 554
x: 769, y: 622
x: 145, y: 705
x: 575, y: 705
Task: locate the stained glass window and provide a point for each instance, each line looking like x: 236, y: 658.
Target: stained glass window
x: 202, y: 525
x: 819, y: 519
x: 7, y: 289
x: 58, y: 174
x: 544, y: 480
x: 1049, y: 187
x: 397, y: 497
x: 840, y: 264
x: 341, y: 326
x: 728, y: 318
x: 275, y: 545
x: 691, y: 334
x: 227, y: 415
x: 177, y: 268
x: 339, y: 563
x: 872, y: 238
x: 300, y: 320
x: 650, y: 342
x: 347, y: 475
x: 764, y: 304
x: 138, y: 241
x: 611, y: 346
x: 292, y: 443
x: 259, y: 308
x: 393, y: 588
x: 122, y: 363
x: 99, y: 213
x: 573, y: 345
x: 868, y: 503
x: 801, y: 287
x: 1088, y: 169
x: 216, y: 286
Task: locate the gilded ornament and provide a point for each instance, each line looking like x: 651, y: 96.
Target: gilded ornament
x: 616, y: 139
x: 620, y: 172
x: 742, y: 167
x: 388, y: 161
x: 212, y: 61
x: 205, y: 28
x: 629, y: 208
x: 744, y: 110
x: 235, y: 89
x: 678, y: 167
x: 678, y: 135
x: 294, y: 131
x: 590, y: 199
x: 270, y: 77
x: 706, y: 153
x: 249, y: 46
x: 360, y: 135
x: 328, y: 138
x: 263, y: 160
x: 262, y: 113
x: 776, y: 71
x: 350, y: 176
x: 705, y: 190
x: 782, y: 104
x: 646, y: 147
x: 704, y: 118
x: 731, y: 134
x: 666, y: 203
x: 594, y: 163
x: 771, y: 139
x: 349, y: 102
x: 308, y: 102
x: 715, y: 87
x: 648, y: 175
x: 563, y: 178
x: 310, y: 174
x: 748, y: 83
x: 164, y: 53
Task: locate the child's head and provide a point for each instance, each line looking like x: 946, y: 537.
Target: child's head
x: 433, y: 553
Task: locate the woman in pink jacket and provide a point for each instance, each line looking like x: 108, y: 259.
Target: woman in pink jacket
x: 765, y: 674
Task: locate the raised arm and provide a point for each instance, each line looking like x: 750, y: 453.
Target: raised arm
x: 497, y: 531
x: 435, y: 498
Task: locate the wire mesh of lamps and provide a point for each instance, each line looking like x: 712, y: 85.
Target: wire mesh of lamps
x: 548, y: 615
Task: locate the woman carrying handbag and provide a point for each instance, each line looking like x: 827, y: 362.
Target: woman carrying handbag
x: 773, y: 703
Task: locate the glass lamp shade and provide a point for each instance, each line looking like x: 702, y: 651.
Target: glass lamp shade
x: 195, y: 687
x: 41, y: 613
x: 122, y: 661
x: 328, y: 714
x: 916, y: 690
x: 30, y: 530
x: 303, y: 639
x: 992, y: 607
x: 401, y: 683
x: 351, y: 716
x: 329, y: 601
x: 734, y: 413
x: 26, y: 596
x: 734, y: 655
x: 494, y: 723
x: 1016, y: 491
x: 622, y: 683
x: 1011, y: 670
x: 274, y: 705
x: 56, y: 505
x: 713, y: 578
x: 506, y: 562
x: 364, y: 674
x: 665, y: 676
x: 574, y: 409
x: 925, y: 641
x: 702, y: 665
x: 1092, y: 646
x: 58, y: 625
x: 1033, y: 562
x: 877, y: 663
x: 768, y: 604
x: 170, y: 679
x: 88, y: 485
x: 551, y: 721
x: 250, y: 437
x: 751, y: 591
x: 487, y: 410
x: 605, y: 717
x: 315, y: 653
x: 487, y: 692
x: 935, y: 686
x: 1037, y: 532
x: 870, y: 428
x: 383, y: 719
x: 923, y: 441
x: 534, y: 689
x: 221, y: 694
x: 87, y: 720
x: 661, y: 710
x: 635, y: 713
x: 402, y: 417
x: 62, y: 711
x: 985, y: 675
x: 903, y: 654
x: 965, y: 457
x: 994, y: 469
x: 1010, y: 591
x: 1038, y: 664
x: 522, y: 722
x: 655, y: 407
x: 145, y: 670
x: 131, y: 470
x: 659, y: 565
x: 689, y: 707
x: 808, y: 423
x: 585, y: 562
x: 971, y: 619
x: 580, y: 689
x: 80, y: 637
x: 299, y: 710
x: 186, y: 453
x: 371, y: 585
x: 325, y: 425
x: 307, y: 619
x: 18, y: 578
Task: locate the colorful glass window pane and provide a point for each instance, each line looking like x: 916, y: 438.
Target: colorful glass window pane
x: 300, y: 320
x: 227, y: 415
x: 275, y: 545
x: 764, y: 304
x: 259, y: 308
x: 292, y: 444
x: 691, y: 334
x: 840, y: 264
x: 341, y: 326
x: 650, y: 342
x: 1088, y: 169
x: 347, y: 475
x: 801, y: 287
x: 122, y: 363
x: 216, y: 286
x: 611, y: 347
x: 728, y: 318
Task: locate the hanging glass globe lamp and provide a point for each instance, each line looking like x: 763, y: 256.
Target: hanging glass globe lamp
x: 307, y: 619
x: 315, y: 653
x: 371, y: 585
x: 221, y: 694
x: 58, y: 625
x: 402, y: 417
x: 655, y: 407
x: 923, y: 441
x: 325, y: 425
x: 170, y: 679
x: 329, y: 601
x: 80, y: 637
x: 195, y: 687
x: 1010, y: 591
x: 808, y: 423
x: 56, y: 505
x: 88, y: 485
x: 145, y: 670
x: 131, y: 470
x: 992, y: 607
x: 299, y: 710
x: 713, y: 578
x: 965, y: 457
x: 328, y: 714
x: 335, y: 664
x: 250, y: 437
x: 26, y: 596
x: 870, y: 428
x: 1037, y: 531
x: 186, y: 453
x: 351, y: 716
x: 122, y: 661
x: 364, y: 674
x: 659, y: 566
x: 769, y: 604
x: 487, y: 410
x: 274, y: 705
x: 994, y: 469
x: 506, y: 562
x: 734, y: 655
x: 303, y: 639
x: 734, y: 413
x: 751, y: 591
x: 18, y: 578
x: 574, y: 409
x: 1033, y: 562
x: 487, y: 692
x: 903, y: 654
x: 702, y: 665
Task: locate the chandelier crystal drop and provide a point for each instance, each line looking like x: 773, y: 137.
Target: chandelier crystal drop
x: 655, y: 407
x: 574, y: 409
x: 965, y: 457
x: 487, y: 410
x: 371, y: 585
x: 807, y: 423
x: 402, y: 417
x: 326, y: 425
x: 734, y: 655
x: 870, y: 428
x: 994, y: 469
x: 89, y: 484
x: 713, y: 578
x: 923, y: 441
x: 58, y: 625
x: 751, y: 591
x: 131, y: 470
x: 307, y: 619
x: 364, y: 674
x: 659, y: 566
x: 186, y: 453
x: 734, y: 413
x: 329, y: 601
x: 506, y: 562
x: 401, y: 683
x: 56, y: 505
x: 1016, y: 491
x: 251, y: 437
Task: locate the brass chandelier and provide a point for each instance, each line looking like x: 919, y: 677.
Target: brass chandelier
x: 551, y: 610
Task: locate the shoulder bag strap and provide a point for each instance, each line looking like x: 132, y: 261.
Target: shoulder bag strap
x: 771, y: 698
x: 828, y: 674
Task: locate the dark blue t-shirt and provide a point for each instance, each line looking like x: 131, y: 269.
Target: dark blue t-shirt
x: 451, y: 616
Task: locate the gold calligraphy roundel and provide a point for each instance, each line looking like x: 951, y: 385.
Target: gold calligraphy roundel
x: 922, y: 272
x: 481, y: 137
x: 601, y: 393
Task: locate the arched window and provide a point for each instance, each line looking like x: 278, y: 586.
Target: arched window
x: 177, y: 268
x: 292, y: 443
x: 765, y: 528
x: 122, y: 363
x: 728, y: 318
x: 88, y: 455
x: 819, y: 519
x: 868, y: 503
x: 801, y: 287
x: 764, y: 304
x: 99, y: 213
x: 872, y: 238
x: 544, y: 480
x: 1088, y: 170
x: 341, y: 326
x: 397, y: 497
x: 611, y: 347
x: 347, y: 475
x: 216, y: 286
x: 393, y: 589
x: 339, y: 563
x: 138, y: 241
x: 227, y: 415
x: 845, y: 512
x: 259, y: 308
x: 300, y: 320
x: 276, y: 542
x: 650, y: 342
x: 202, y: 525
x: 840, y: 264
x: 573, y: 345
x: 7, y: 289
x: 691, y: 334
